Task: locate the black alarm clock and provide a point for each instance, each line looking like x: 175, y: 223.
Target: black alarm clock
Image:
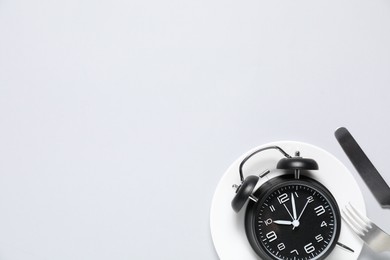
x: 290, y: 217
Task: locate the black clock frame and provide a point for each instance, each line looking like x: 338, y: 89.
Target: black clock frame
x: 274, y: 184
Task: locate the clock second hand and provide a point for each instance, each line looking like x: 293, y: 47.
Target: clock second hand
x: 288, y: 212
x: 300, y: 215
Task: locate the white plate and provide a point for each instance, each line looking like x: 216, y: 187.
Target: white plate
x: 227, y: 227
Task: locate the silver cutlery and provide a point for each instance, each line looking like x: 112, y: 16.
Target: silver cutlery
x: 377, y: 239
x: 364, y: 167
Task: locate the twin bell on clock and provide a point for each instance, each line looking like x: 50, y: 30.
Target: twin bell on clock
x: 291, y: 216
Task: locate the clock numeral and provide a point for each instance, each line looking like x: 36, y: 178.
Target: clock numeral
x: 272, y: 208
x: 296, y: 194
x: 309, y: 248
x: 281, y: 247
x: 271, y: 236
x: 294, y: 251
x: 319, y: 210
x: 323, y: 224
x: 319, y: 238
x: 268, y: 222
x: 310, y: 199
x: 283, y: 198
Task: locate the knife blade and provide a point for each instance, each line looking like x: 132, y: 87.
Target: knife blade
x: 364, y: 167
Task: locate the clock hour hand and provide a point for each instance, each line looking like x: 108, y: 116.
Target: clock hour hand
x: 294, y: 223
x: 283, y: 222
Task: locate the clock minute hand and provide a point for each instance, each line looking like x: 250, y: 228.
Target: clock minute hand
x: 293, y: 206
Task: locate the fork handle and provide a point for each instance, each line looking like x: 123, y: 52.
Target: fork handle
x: 379, y: 241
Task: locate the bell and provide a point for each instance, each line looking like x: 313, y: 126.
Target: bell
x: 297, y: 163
x: 244, y: 192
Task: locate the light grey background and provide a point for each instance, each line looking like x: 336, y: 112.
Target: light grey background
x: 118, y: 118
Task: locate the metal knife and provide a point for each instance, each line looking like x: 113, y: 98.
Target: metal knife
x: 365, y: 168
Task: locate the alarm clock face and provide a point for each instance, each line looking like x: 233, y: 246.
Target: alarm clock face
x: 293, y: 219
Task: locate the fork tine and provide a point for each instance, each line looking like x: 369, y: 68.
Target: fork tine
x: 362, y: 218
x: 357, y: 221
x: 352, y: 223
x: 377, y: 239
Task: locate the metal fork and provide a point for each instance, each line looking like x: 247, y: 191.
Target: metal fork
x: 377, y: 239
